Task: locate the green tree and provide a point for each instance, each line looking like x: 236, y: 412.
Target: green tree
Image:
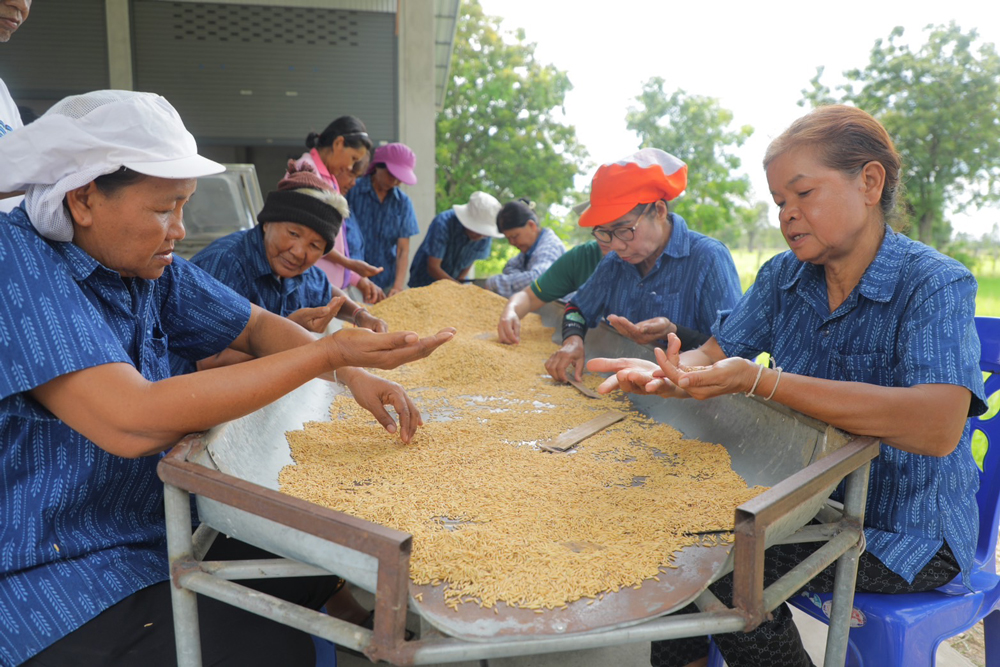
x: 940, y: 105
x: 696, y: 130
x: 500, y: 130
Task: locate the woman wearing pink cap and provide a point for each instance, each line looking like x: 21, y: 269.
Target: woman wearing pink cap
x: 384, y: 215
x: 659, y: 277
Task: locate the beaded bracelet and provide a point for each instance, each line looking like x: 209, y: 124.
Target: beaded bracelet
x: 760, y: 371
x: 776, y: 381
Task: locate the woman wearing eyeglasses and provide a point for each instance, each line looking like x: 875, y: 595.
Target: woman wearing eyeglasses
x: 660, y: 277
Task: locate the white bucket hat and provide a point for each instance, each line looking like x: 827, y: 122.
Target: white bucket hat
x: 480, y: 214
x: 86, y: 136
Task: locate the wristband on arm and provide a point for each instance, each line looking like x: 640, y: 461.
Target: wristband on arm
x: 574, y: 323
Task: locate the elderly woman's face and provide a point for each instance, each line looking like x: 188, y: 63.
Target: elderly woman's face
x: 291, y: 248
x: 822, y: 211
x: 132, y: 230
x: 523, y: 238
x: 647, y: 242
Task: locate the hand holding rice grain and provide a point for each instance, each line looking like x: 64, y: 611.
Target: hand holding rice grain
x: 492, y: 517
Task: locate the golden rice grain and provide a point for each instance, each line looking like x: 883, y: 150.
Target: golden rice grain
x: 492, y: 517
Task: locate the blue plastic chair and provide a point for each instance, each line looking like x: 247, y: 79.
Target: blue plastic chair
x: 905, y: 630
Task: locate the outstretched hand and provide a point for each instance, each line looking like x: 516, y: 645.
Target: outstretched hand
x: 728, y: 376
x: 645, y: 332
x: 639, y: 376
x: 317, y: 319
x: 363, y: 268
x: 361, y: 347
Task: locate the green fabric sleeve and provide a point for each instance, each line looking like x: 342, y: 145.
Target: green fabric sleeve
x: 568, y: 273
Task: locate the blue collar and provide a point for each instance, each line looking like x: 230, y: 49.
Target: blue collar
x: 541, y: 233
x: 80, y: 264
x: 877, y: 284
x: 364, y: 186
x: 679, y: 244
x: 257, y: 255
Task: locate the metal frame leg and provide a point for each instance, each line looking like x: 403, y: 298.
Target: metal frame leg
x: 177, y: 505
x: 845, y: 578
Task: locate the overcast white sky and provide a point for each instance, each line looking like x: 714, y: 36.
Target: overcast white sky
x: 755, y: 57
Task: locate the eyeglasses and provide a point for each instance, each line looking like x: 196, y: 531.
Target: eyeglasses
x: 620, y: 233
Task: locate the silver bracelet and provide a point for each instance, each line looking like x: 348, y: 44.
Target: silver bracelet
x: 760, y: 371
x: 354, y: 318
x: 776, y: 381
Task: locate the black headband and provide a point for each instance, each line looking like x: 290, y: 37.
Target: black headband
x: 302, y: 209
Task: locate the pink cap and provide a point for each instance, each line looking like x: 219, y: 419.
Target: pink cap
x: 398, y: 159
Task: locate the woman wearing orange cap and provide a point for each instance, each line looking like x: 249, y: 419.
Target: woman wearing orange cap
x: 876, y: 336
x: 660, y: 277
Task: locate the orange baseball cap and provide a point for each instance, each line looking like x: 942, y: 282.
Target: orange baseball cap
x: 646, y: 176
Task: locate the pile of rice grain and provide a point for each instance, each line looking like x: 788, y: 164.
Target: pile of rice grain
x: 493, y: 517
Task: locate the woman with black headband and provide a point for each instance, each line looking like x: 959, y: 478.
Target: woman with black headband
x: 539, y: 248
x: 274, y: 264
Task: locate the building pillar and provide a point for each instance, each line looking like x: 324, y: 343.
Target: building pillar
x: 119, y: 44
x: 417, y: 110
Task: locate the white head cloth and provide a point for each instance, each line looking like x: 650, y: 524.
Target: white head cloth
x: 86, y: 136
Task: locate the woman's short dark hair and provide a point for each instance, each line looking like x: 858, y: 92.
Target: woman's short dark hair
x: 848, y: 139
x: 516, y: 214
x: 353, y: 131
x: 112, y: 183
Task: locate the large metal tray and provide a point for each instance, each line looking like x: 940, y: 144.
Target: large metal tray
x: 767, y: 443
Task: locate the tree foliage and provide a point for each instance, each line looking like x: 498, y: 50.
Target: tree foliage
x: 500, y: 129
x: 696, y: 130
x: 941, y: 105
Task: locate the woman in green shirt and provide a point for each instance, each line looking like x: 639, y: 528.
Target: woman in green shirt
x: 564, y: 277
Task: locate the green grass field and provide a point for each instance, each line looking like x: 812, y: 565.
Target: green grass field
x: 987, y: 300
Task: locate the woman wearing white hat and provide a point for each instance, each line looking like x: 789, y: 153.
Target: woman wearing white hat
x: 90, y: 309
x: 455, y: 240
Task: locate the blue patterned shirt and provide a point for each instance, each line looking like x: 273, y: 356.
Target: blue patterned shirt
x: 82, y: 529
x: 239, y: 261
x: 382, y: 224
x: 908, y: 322
x: 446, y: 240
x: 691, y: 281
x: 355, y: 242
x: 522, y: 269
